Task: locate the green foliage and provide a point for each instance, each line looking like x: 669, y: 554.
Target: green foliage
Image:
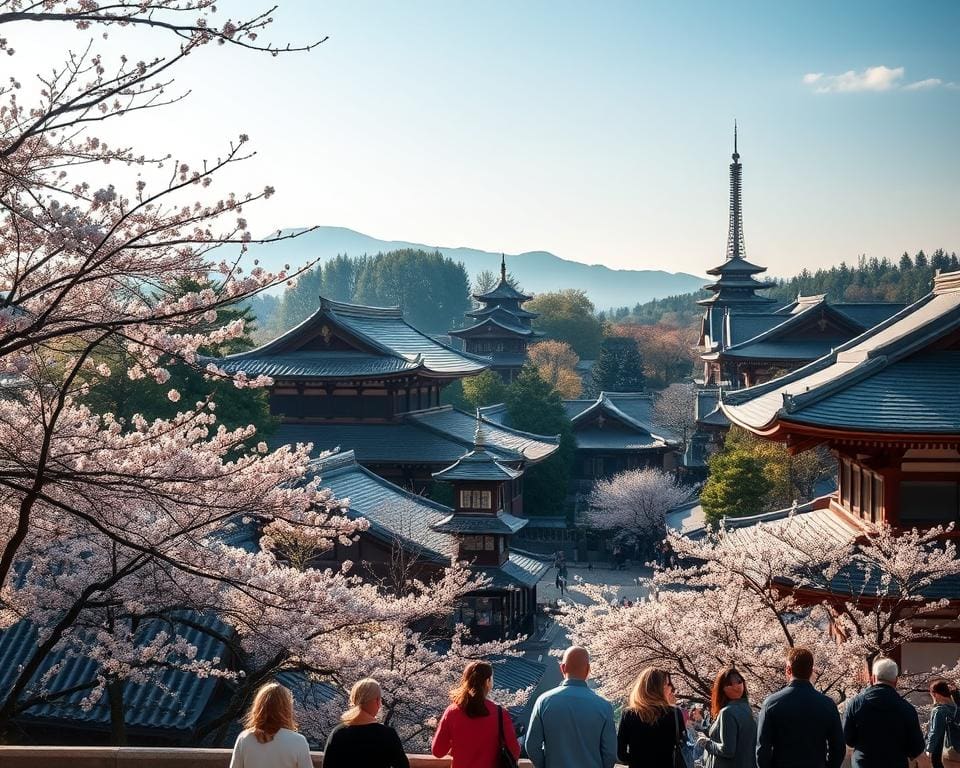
x: 534, y: 406
x: 619, y: 367
x: 568, y: 316
x: 452, y: 394
x: 235, y: 407
x: 731, y: 488
x: 431, y: 289
x: 486, y: 388
x: 736, y: 486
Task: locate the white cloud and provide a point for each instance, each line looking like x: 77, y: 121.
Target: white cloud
x: 922, y: 85
x: 878, y: 78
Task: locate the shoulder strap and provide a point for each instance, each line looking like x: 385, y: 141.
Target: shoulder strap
x: 500, y: 721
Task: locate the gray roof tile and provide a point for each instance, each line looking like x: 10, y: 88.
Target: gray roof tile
x: 920, y: 380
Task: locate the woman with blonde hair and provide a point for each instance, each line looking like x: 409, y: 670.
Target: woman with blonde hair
x: 270, y: 739
x: 651, y: 727
x: 732, y: 739
x: 473, y: 729
x: 359, y: 739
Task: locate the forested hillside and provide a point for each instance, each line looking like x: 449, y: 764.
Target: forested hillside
x: 432, y: 289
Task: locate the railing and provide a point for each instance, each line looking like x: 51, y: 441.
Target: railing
x: 151, y: 757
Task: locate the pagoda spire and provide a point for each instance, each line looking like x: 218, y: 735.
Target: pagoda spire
x: 735, y: 247
x: 479, y: 439
x: 503, y: 268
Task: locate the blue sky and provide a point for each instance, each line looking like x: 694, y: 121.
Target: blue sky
x: 600, y: 131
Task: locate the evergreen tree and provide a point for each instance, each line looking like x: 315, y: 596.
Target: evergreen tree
x: 736, y: 486
x: 906, y: 263
x: 619, y: 367
x: 432, y: 290
x: 533, y: 406
x: 340, y: 275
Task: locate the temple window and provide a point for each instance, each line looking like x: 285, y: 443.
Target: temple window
x: 476, y: 500
x: 929, y: 501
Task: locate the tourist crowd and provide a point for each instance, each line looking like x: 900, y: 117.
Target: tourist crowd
x: 571, y: 726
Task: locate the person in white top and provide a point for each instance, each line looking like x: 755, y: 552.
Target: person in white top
x: 271, y: 739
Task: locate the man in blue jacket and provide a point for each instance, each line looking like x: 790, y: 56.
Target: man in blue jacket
x: 571, y: 726
x: 880, y: 725
x: 799, y: 727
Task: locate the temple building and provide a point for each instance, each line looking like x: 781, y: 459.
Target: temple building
x: 747, y: 338
x: 886, y: 404
x: 423, y: 536
x: 614, y: 432
x: 502, y: 329
x: 362, y: 378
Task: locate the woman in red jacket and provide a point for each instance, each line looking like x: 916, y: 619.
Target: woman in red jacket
x: 469, y: 730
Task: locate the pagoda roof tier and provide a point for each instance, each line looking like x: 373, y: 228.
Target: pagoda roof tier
x: 897, y: 379
x: 351, y: 341
x: 502, y: 290
x: 739, y: 284
x: 515, y: 311
x: 391, y: 511
x: 518, y: 571
x: 735, y: 266
x: 437, y: 436
x: 500, y: 324
x: 478, y: 464
x: 735, y: 296
x: 503, y: 523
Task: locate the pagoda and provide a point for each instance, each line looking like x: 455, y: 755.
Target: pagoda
x: 747, y: 338
x: 735, y: 286
x: 886, y: 405
x: 502, y: 328
x: 482, y: 530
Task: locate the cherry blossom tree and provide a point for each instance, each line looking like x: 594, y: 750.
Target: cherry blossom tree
x: 743, y: 595
x: 120, y: 537
x: 633, y: 504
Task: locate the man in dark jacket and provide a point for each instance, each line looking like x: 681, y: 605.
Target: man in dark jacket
x: 799, y: 727
x: 880, y: 725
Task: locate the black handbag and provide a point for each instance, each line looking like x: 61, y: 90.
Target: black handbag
x: 506, y: 758
x: 679, y: 759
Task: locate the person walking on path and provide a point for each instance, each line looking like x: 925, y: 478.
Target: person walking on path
x: 732, y: 739
x: 359, y: 739
x: 880, y: 725
x: 571, y: 726
x: 944, y: 717
x: 798, y: 726
x: 270, y: 738
x: 471, y: 727
x: 651, y: 726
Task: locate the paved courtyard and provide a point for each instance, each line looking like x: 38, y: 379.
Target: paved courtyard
x: 626, y: 580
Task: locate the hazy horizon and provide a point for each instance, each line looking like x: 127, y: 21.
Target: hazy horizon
x: 599, y: 133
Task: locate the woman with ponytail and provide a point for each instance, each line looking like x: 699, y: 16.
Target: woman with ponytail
x: 271, y: 739
x: 359, y: 740
x: 472, y: 728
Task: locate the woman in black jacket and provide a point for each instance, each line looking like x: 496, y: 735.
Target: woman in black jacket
x: 651, y: 726
x: 359, y: 739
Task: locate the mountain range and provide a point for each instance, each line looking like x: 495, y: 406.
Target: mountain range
x: 536, y: 271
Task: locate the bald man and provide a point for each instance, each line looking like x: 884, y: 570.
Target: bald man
x: 571, y: 726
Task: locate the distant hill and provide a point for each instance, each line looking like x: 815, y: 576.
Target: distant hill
x: 537, y: 271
